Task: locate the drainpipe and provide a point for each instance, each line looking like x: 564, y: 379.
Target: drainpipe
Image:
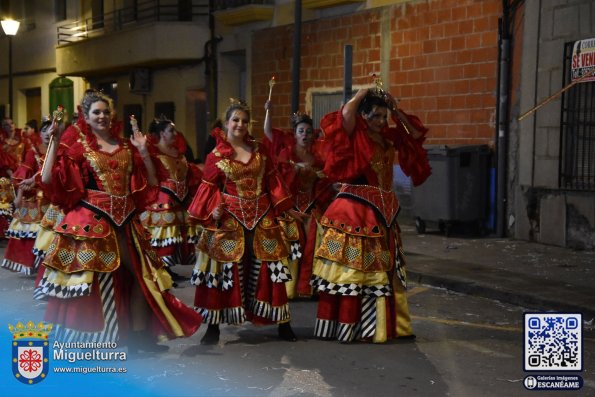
x: 347, y: 73
x: 297, y: 54
x: 502, y: 127
x: 211, y: 67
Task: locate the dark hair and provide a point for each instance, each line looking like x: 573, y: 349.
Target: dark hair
x: 238, y: 104
x: 45, y: 124
x: 91, y: 96
x: 159, y: 125
x: 32, y: 123
x: 374, y: 97
x: 298, y: 118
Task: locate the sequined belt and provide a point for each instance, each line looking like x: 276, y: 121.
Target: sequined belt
x: 247, y: 211
x: 179, y: 189
x: 385, y: 201
x: 117, y: 208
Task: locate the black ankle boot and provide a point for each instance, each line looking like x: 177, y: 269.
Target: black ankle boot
x: 211, y: 337
x: 140, y: 341
x: 286, y: 333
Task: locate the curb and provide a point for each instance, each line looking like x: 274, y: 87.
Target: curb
x: 523, y: 291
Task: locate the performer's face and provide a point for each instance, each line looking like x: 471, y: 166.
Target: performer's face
x: 28, y: 131
x: 376, y: 119
x: 99, y: 117
x: 237, y: 125
x: 169, y: 135
x: 8, y: 126
x: 45, y: 134
x: 304, y: 134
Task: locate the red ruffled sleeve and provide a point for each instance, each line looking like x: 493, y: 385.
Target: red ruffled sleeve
x: 413, y: 158
x: 67, y: 187
x: 208, y: 195
x: 27, y: 168
x: 143, y: 194
x: 277, y: 188
x: 7, y: 162
x: 340, y: 160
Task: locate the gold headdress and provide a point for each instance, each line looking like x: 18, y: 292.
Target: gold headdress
x: 378, y: 91
x: 299, y: 117
x: 239, y: 102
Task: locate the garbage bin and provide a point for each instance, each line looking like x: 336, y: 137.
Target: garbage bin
x: 457, y: 190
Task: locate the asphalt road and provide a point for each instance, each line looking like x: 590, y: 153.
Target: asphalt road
x: 465, y: 346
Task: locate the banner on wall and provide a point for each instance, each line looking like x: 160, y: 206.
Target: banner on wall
x: 583, y: 60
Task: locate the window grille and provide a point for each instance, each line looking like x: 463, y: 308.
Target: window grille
x: 577, y: 132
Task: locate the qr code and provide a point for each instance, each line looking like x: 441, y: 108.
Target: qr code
x: 553, y: 342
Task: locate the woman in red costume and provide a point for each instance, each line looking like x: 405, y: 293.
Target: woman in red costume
x: 166, y: 218
x: 14, y: 144
x: 103, y: 281
x: 358, y: 266
x: 46, y: 233
x: 241, y: 265
x: 298, y: 158
x: 30, y: 206
x: 8, y: 163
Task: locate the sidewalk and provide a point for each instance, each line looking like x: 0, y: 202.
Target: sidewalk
x: 536, y: 276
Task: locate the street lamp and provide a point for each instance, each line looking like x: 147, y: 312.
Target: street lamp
x: 10, y: 27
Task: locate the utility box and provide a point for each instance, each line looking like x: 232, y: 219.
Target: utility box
x: 457, y: 190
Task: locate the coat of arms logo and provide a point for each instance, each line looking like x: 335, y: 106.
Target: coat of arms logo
x: 30, y: 351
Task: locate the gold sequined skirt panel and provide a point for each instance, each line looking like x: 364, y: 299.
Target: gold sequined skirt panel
x: 227, y: 243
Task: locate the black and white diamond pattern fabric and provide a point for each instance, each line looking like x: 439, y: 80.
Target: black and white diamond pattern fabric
x: 279, y: 272
x: 349, y: 289
x: 21, y: 234
x: 296, y: 251
x: 166, y: 242
x: 335, y: 289
x: 64, y: 292
x: 110, y: 332
x: 377, y: 290
x: 223, y: 280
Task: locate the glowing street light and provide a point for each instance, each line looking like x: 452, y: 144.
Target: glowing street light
x: 10, y: 27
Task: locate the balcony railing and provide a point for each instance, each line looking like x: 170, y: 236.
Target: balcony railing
x: 227, y: 4
x: 144, y: 12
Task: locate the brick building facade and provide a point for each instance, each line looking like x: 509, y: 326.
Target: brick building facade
x: 439, y: 58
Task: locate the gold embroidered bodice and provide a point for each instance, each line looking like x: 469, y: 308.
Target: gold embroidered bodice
x: 243, y: 180
x: 382, y: 166
x: 113, y: 171
x: 177, y: 167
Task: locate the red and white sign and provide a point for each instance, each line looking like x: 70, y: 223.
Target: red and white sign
x: 583, y: 60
